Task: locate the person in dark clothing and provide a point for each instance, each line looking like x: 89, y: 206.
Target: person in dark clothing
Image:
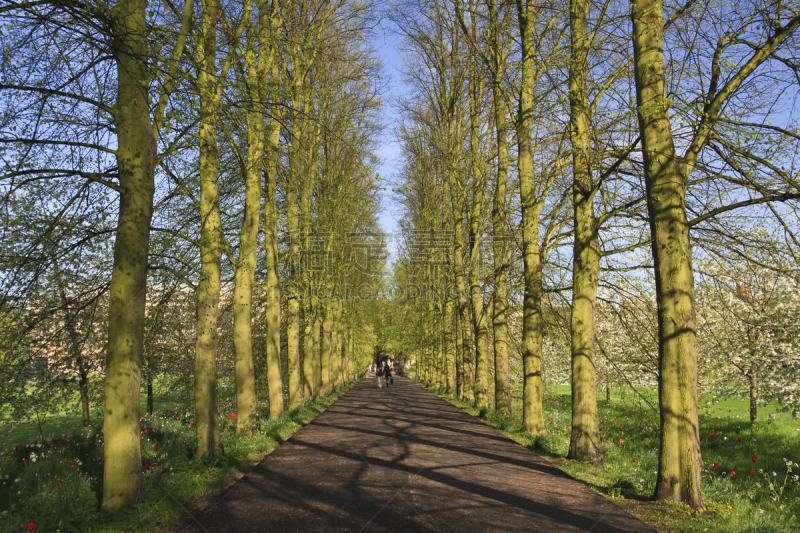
x: 387, y: 372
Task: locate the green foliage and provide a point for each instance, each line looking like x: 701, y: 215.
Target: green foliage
x: 30, y: 472
x: 767, y: 500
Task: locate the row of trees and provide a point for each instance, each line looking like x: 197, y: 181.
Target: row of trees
x: 577, y: 161
x: 187, y: 190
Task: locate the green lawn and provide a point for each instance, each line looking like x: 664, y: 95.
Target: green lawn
x: 56, y: 483
x: 766, y: 500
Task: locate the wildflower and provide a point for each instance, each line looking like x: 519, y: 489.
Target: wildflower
x: 716, y: 465
x: 635, y: 461
x: 620, y: 441
x: 751, y: 472
x: 99, y: 461
x: 644, y: 438
x: 163, y: 471
x: 58, y: 483
x: 755, y: 457
x: 702, y: 439
x: 740, y: 440
x: 31, y: 526
x: 733, y: 472
x: 231, y: 415
x: 72, y: 465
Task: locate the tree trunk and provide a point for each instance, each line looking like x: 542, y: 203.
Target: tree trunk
x: 208, y: 289
x: 326, y: 354
x: 83, y: 385
x: 273, y: 291
x: 679, y: 462
x: 257, y: 79
x: 319, y: 389
x: 149, y: 398
x: 502, y: 381
x: 753, y: 397
x: 584, y: 442
x: 449, y: 345
x: 480, y: 324
x: 123, y: 482
x: 532, y: 323
x: 293, y: 304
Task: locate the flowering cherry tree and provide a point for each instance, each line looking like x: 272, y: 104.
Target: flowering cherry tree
x: 748, y: 334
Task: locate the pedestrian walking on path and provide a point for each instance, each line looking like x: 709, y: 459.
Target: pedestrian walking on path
x: 387, y: 372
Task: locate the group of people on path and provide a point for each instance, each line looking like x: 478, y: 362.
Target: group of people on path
x: 383, y: 373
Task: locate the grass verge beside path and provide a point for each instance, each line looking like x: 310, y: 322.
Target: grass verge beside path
x: 750, y: 477
x: 57, y: 484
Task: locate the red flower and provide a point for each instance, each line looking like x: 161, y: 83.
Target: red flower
x: 548, y: 420
x: 16, y: 448
x: 620, y: 427
x: 231, y: 415
x: 24, y: 461
x: 644, y: 438
x: 163, y: 471
x: 58, y: 483
x: 640, y: 421
x: 147, y: 465
x: 702, y: 439
x: 615, y: 422
x: 72, y: 465
x: 716, y: 465
x: 156, y: 446
x: 177, y: 418
x: 751, y: 472
x: 92, y: 445
x: 55, y: 439
x: 635, y: 461
x: 31, y: 526
x: 733, y: 472
x: 620, y: 440
x: 755, y: 457
x: 740, y: 440
x: 99, y: 461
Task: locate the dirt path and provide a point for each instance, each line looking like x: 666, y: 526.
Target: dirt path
x: 403, y: 459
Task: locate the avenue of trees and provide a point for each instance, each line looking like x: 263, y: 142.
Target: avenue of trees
x: 608, y: 193
x: 599, y: 193
x: 187, y: 193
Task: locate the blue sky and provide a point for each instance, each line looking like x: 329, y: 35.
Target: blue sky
x: 386, y: 44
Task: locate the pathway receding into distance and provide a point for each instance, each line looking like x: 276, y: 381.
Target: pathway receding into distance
x: 403, y: 459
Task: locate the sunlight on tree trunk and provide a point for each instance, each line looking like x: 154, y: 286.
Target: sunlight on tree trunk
x: 679, y: 461
x: 123, y: 482
x: 585, y: 442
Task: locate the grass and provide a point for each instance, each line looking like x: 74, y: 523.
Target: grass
x: 768, y: 500
x: 56, y: 483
